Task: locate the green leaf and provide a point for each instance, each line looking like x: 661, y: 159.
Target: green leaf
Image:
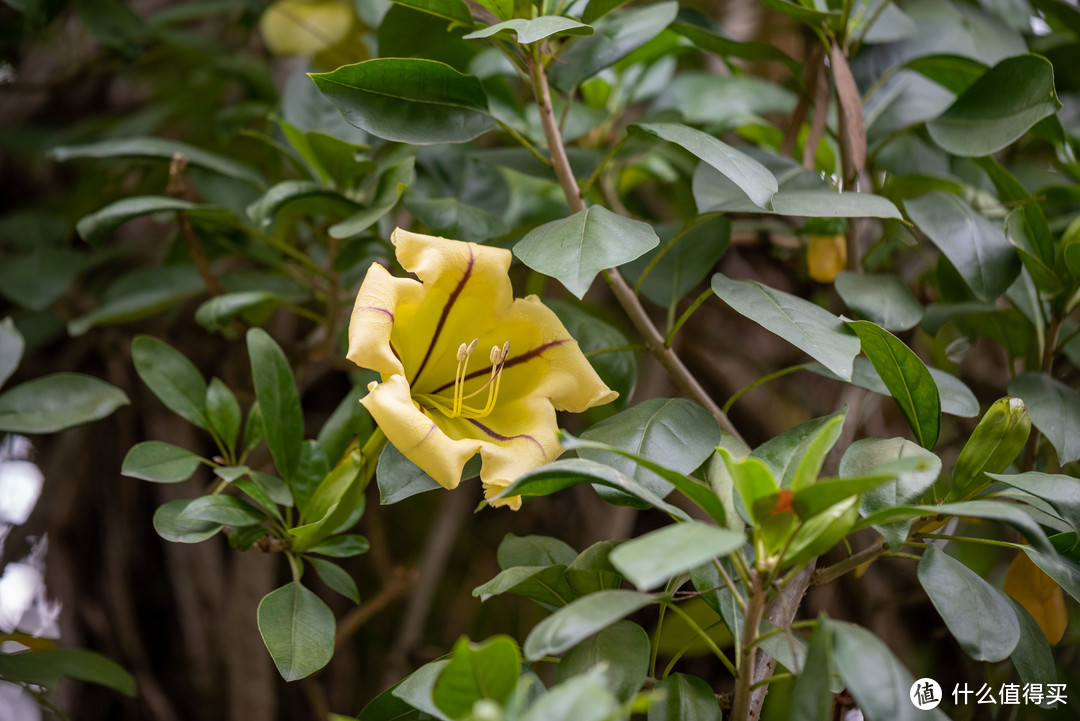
x: 652, y: 559
x: 806, y: 15
x: 907, y: 378
x: 279, y: 403
x: 874, y: 676
x: 978, y: 615
x: 254, y: 429
x: 409, y: 100
x: 1020, y: 228
x: 582, y: 698
x: 320, y: 199
x: 11, y: 349
x: 142, y: 293
x: 161, y: 149
x: 956, y: 398
x: 530, y: 31
x: 338, y: 500
x: 751, y: 177
x: 883, y: 298
x: 35, y: 279
x: 574, y: 249
x: 795, y: 457
x: 172, y: 527
x: 222, y: 509
x: 977, y: 247
x: 453, y: 10
x: 534, y: 551
x: 349, y: 422
x: 955, y: 73
x: 684, y: 260
x: 573, y: 623
x: 223, y: 412
x: 1054, y: 409
x: 805, y: 325
x: 416, y: 691
x: 726, y: 47
x: 547, y: 585
x: 344, y: 546
x: 159, y: 462
x: 487, y: 670
x: 97, y: 227
x: 1060, y: 491
x: 298, y: 630
x: 672, y: 432
x: 615, y: 38
x: 1032, y: 657
x: 336, y: 577
x: 811, y: 699
x: 391, y: 184
x: 58, y: 401
x: 623, y: 650
x: 998, y: 108
x: 46, y: 666
x: 399, y: 478
x: 1065, y: 574
x: 686, y: 698
x: 558, y: 475
x: 1000, y: 511
x: 597, y: 9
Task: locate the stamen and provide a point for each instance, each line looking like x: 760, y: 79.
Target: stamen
x: 459, y: 376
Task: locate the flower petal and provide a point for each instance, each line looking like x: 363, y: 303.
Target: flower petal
x: 415, y: 434
x: 373, y: 318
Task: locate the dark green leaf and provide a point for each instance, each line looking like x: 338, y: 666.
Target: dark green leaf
x: 409, y: 100
x: 800, y: 322
x: 1060, y: 491
x: 955, y: 73
x: 811, y: 699
x: 344, y: 546
x: 160, y: 462
x: 573, y: 623
x: 809, y: 16
x: 615, y: 38
x: 978, y: 615
x: 1032, y: 657
x: 399, y: 478
x: 34, y: 280
x: 534, y: 551
x: 298, y: 630
x: 622, y: 648
x: 160, y: 149
x: 907, y: 378
x: 279, y: 403
x: 652, y: 559
x: 1065, y: 574
x: 750, y: 176
x: 223, y: 412
x: 874, y: 676
x: 142, y: 293
x: 488, y: 670
x: 316, y: 199
x: 1002, y: 512
x: 348, y: 422
x: 391, y: 184
x: 11, y: 349
x: 882, y: 298
x: 1054, y: 409
x: 974, y: 245
x: 1018, y: 229
x: 58, y: 401
x: 336, y: 577
x: 454, y: 10
x: 451, y: 218
x: 618, y: 370
x: 97, y: 227
x: 796, y: 456
x: 726, y: 47
x: 998, y: 108
x: 222, y: 509
x: 956, y: 398
x: 547, y: 585
x: 574, y: 249
x: 686, y: 698
x: 678, y: 265
x: 46, y: 666
x: 172, y: 527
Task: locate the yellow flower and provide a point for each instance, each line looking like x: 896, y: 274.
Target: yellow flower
x: 465, y: 366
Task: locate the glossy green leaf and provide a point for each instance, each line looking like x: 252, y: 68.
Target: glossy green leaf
x: 1032, y: 657
x: 999, y: 511
x: 622, y: 649
x: 11, y: 349
x: 615, y: 38
x: 391, y: 184
x: 344, y: 546
x: 547, y: 585
x: 1065, y: 574
x: 582, y: 698
x: 1054, y: 409
x: 159, y: 462
x: 335, y: 503
x: 298, y: 630
x: 1019, y: 232
x: 54, y: 402
x: 811, y: 699
x: 415, y: 690
x: 821, y: 531
x: 978, y: 615
x: 874, y: 676
x: 682, y: 260
x: 409, y: 100
x: 534, y: 550
x: 349, y: 422
x: 161, y: 149
x: 275, y: 390
x: 487, y: 670
x: 797, y: 455
x: 907, y: 378
x: 883, y: 298
x: 672, y: 432
x: 451, y: 218
x: 223, y: 412
x: 336, y: 577
x: 222, y: 509
x: 45, y: 667
x: 574, y: 250
x: 750, y: 176
x: 976, y: 246
x: 573, y: 623
x: 998, y: 108
x: 956, y: 398
x: 142, y: 293
x: 955, y: 73
x: 686, y: 698
x: 310, y: 196
x: 172, y: 526
x: 726, y: 47
x: 399, y: 478
x: 1060, y: 491
x: 559, y: 475
x: 530, y: 31
x: 98, y: 226
x: 650, y: 560
x: 805, y: 325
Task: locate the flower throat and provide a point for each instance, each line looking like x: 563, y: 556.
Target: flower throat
x: 457, y: 406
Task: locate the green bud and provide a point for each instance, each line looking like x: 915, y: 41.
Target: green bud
x: 996, y: 442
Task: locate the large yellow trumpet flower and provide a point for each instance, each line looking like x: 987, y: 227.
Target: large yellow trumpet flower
x: 465, y: 366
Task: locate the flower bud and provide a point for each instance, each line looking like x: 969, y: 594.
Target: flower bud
x: 996, y: 442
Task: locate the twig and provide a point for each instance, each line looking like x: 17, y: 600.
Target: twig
x: 398, y: 585
x: 177, y: 188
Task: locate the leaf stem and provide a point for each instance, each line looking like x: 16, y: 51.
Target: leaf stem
x: 705, y: 295
x: 704, y: 637
x: 761, y: 381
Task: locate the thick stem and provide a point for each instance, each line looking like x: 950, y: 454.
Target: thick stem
x: 654, y: 340
x: 744, y: 680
